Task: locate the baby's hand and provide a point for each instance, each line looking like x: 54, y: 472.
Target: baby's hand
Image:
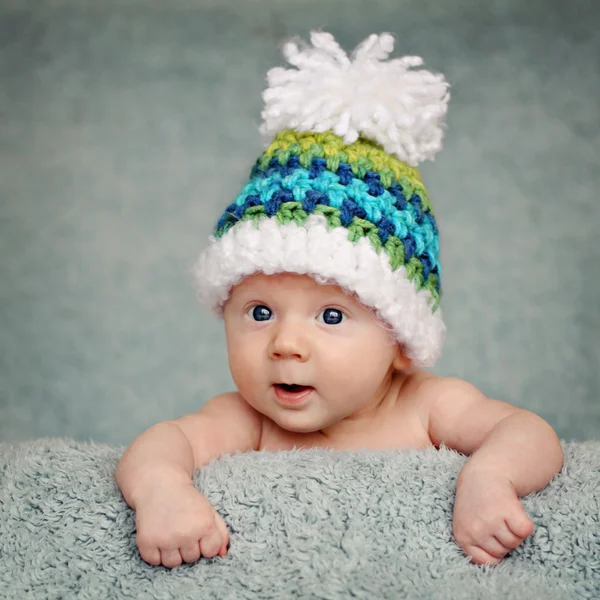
x: 178, y: 524
x: 489, y: 520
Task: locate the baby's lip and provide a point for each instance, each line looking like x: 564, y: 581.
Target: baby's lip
x: 297, y: 386
x: 293, y: 395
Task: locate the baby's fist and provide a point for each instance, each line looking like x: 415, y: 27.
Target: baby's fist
x: 489, y: 520
x: 178, y: 524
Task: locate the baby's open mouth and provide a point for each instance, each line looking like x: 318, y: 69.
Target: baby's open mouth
x: 293, y: 387
x: 292, y: 394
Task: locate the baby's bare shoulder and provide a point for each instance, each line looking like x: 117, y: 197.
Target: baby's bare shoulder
x: 425, y: 391
x: 457, y: 413
x: 228, y: 404
x: 226, y: 424
x: 426, y: 387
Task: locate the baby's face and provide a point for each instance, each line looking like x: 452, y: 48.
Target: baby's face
x: 287, y: 330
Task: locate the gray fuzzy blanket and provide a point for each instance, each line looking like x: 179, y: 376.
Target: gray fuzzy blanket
x: 305, y: 524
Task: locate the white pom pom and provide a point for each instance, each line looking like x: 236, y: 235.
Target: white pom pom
x: 365, y: 95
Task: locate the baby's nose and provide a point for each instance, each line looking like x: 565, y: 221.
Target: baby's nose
x: 288, y: 342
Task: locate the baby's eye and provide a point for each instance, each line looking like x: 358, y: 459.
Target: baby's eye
x: 332, y: 316
x: 260, y: 313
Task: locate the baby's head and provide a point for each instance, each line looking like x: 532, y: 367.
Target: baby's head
x: 335, y: 199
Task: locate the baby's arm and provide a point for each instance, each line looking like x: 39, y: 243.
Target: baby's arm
x: 513, y: 452
x: 175, y: 523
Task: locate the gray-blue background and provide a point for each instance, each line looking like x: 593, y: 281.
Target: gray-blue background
x: 126, y: 127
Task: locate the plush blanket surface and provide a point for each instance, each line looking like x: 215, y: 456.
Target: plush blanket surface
x: 305, y: 524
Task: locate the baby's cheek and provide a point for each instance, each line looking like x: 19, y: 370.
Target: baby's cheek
x: 342, y: 391
x: 245, y: 370
x: 237, y: 365
x: 357, y: 386
x: 351, y: 378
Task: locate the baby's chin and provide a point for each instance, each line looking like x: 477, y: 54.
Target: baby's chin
x: 298, y: 423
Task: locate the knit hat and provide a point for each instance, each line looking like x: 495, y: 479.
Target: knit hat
x: 336, y: 194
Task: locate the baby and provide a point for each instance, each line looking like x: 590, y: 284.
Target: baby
x: 325, y: 270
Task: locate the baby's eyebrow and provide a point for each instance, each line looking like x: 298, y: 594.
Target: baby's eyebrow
x: 342, y: 299
x: 337, y: 298
x: 342, y: 293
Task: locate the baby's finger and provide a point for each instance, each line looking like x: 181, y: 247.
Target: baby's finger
x: 190, y: 553
x: 520, y: 525
x: 224, y: 535
x: 495, y: 548
x: 210, y: 544
x: 507, y: 538
x: 170, y: 558
x: 151, y: 555
x: 480, y: 557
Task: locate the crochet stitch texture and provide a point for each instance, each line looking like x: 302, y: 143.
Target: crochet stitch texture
x: 359, y: 187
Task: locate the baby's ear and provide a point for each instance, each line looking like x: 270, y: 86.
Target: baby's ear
x: 401, y: 361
